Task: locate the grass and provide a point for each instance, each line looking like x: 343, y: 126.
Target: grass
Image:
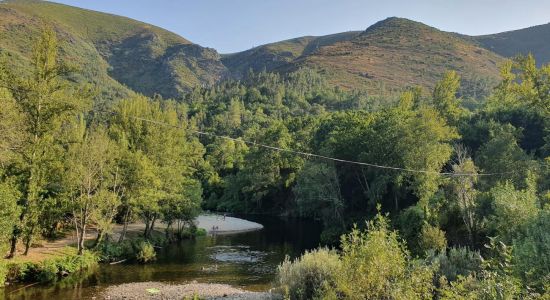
x: 49, y: 269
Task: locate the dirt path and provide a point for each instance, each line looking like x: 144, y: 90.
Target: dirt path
x: 213, y: 224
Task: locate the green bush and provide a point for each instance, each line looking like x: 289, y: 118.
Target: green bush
x: 455, y: 262
x: 50, y: 269
x: 432, y: 238
x: 310, y: 275
x: 201, y: 232
x: 145, y: 252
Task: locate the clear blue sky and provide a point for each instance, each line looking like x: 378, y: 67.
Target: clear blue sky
x: 235, y: 25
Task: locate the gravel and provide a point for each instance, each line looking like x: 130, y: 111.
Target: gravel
x: 164, y: 291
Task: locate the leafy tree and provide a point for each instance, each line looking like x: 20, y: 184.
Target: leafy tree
x: 45, y: 102
x: 318, y: 194
x: 465, y: 193
x: 531, y: 251
x: 444, y: 97
x: 90, y: 169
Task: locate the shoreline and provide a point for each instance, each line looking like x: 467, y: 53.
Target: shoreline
x: 162, y: 290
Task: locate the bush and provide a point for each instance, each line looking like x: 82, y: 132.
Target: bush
x: 146, y: 252
x: 201, y: 232
x: 310, y: 275
x: 456, y: 262
x: 51, y: 269
x: 432, y: 238
x: 376, y: 265
x: 4, y: 271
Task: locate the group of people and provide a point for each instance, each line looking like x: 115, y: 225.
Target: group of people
x: 215, y: 227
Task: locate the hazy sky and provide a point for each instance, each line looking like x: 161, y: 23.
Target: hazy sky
x: 235, y: 25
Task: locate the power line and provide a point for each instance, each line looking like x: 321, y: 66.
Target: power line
x: 316, y: 155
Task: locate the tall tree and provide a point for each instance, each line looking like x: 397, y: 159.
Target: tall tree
x: 45, y: 102
x: 91, y: 173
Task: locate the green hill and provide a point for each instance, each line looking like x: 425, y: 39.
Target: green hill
x: 534, y: 40
x: 392, y: 54
x: 119, y: 54
x: 275, y: 55
x: 124, y: 56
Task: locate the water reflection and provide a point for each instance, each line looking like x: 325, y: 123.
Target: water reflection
x: 248, y: 260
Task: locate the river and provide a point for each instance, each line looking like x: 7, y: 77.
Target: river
x: 246, y: 260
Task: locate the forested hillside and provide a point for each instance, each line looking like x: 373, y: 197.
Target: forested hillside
x: 390, y: 55
x: 532, y: 40
x: 119, y: 55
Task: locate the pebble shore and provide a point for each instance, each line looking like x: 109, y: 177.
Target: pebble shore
x: 164, y: 291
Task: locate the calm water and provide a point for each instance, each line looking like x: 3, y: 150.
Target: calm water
x: 248, y: 260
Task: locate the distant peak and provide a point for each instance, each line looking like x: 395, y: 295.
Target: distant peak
x: 395, y: 22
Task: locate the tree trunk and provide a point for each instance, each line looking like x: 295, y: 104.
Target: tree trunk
x: 99, y: 238
x: 146, y: 231
x: 124, y: 227
x: 13, y: 243
x: 152, y: 226
x: 80, y: 238
x: 28, y: 240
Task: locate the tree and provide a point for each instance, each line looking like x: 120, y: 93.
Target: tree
x: 160, y: 159
x: 318, y: 194
x: 465, y: 193
x: 11, y: 128
x: 444, y: 97
x: 90, y: 169
x: 525, y: 84
x: 45, y: 102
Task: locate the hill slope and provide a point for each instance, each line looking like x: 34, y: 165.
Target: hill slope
x: 272, y: 56
x: 118, y: 53
x: 535, y: 40
x: 393, y: 53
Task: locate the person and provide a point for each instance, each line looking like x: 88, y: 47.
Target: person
x: 224, y: 216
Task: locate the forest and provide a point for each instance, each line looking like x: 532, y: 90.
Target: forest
x: 423, y: 194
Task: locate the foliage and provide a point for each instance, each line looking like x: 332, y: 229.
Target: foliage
x: 51, y: 269
x: 455, y: 262
x: 432, y: 238
x: 531, y: 252
x: 310, y: 275
x: 145, y: 252
x: 376, y: 265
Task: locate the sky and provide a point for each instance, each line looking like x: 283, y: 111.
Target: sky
x: 236, y: 25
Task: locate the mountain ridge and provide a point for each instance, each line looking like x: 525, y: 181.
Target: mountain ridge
x: 124, y: 56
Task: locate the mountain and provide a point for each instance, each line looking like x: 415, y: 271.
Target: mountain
x: 275, y: 55
x: 393, y: 53
x: 534, y: 40
x: 121, y: 55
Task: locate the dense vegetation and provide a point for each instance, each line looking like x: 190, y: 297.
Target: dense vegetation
x: 465, y: 214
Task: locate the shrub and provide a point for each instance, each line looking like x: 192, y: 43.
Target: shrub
x: 146, y: 252
x: 310, y: 275
x: 200, y: 232
x: 455, y: 262
x: 432, y: 238
x: 376, y: 265
x: 50, y: 269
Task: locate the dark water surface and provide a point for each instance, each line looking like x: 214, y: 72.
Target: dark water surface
x: 247, y: 260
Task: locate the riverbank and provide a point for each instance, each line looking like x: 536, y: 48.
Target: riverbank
x: 159, y: 290
x: 213, y: 224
